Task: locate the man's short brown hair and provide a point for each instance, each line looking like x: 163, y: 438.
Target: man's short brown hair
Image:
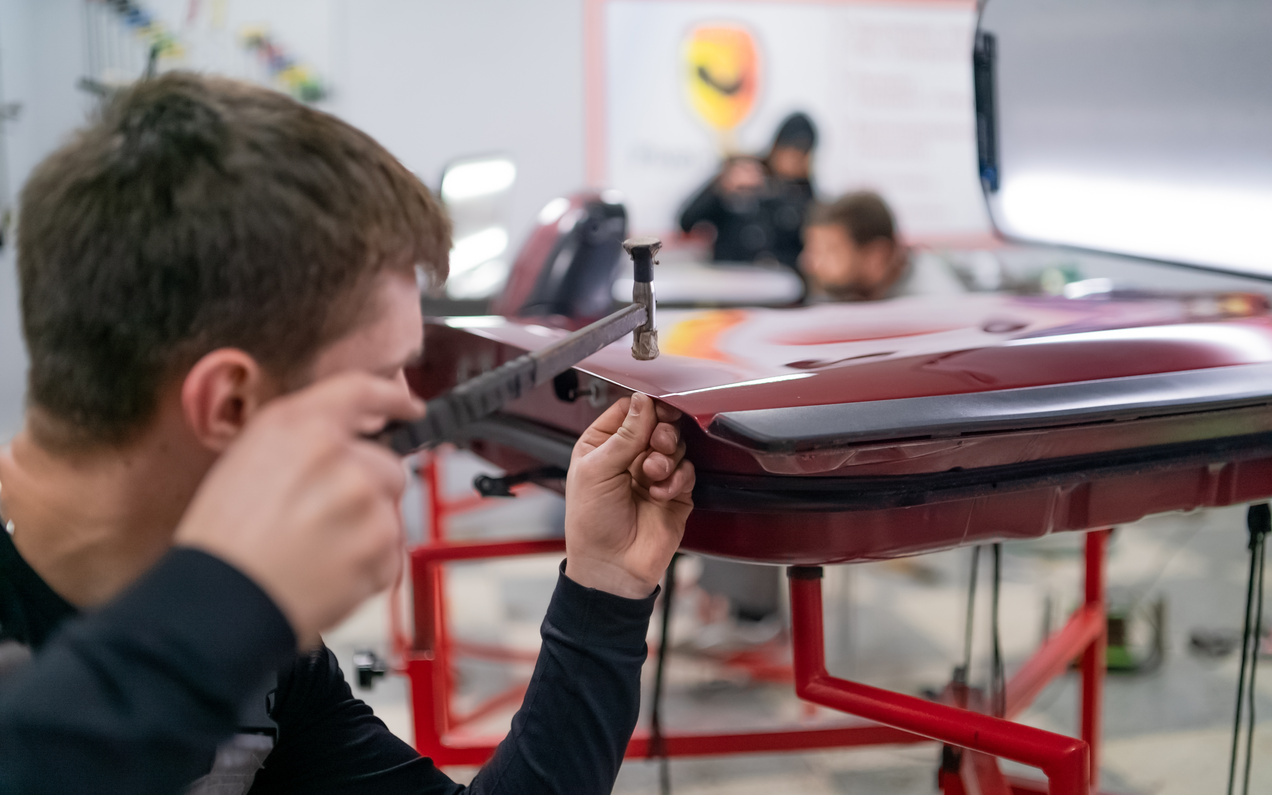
x: 197, y: 213
x: 864, y: 215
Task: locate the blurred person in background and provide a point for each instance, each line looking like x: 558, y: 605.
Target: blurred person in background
x: 852, y: 252
x: 219, y: 295
x: 756, y: 205
x: 756, y: 208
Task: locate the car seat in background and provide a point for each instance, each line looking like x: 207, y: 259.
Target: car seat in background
x: 568, y: 264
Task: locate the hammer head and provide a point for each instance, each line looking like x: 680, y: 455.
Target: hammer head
x: 642, y: 251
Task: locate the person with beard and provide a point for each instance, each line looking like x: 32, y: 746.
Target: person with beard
x: 852, y: 252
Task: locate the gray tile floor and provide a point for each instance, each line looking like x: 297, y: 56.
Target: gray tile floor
x: 901, y: 626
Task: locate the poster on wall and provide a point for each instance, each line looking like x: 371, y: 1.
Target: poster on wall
x: 888, y: 85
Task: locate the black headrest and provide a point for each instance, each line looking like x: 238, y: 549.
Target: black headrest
x: 578, y: 277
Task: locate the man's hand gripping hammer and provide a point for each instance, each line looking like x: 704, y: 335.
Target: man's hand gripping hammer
x: 447, y: 415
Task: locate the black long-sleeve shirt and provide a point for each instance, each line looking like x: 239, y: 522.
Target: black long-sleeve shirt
x: 752, y: 226
x: 136, y: 697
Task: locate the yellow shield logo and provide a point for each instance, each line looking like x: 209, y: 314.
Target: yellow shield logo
x: 722, y: 71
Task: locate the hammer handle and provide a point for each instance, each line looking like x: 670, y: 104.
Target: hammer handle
x: 447, y: 415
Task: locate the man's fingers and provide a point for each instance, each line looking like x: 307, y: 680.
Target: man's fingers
x: 657, y: 467
x: 680, y: 483
x: 663, y: 467
x: 388, y: 563
x: 668, y: 414
x: 358, y: 402
x: 382, y: 467
x: 609, y: 422
x: 631, y: 438
x: 604, y: 426
x: 665, y: 439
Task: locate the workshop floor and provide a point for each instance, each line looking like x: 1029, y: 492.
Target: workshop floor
x: 900, y: 625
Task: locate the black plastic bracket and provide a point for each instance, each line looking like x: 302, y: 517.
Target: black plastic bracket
x: 489, y: 486
x: 369, y: 667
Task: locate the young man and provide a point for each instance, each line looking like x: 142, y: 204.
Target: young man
x: 219, y: 295
x: 851, y: 251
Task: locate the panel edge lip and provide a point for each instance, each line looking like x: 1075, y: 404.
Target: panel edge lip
x: 726, y: 493
x: 786, y: 430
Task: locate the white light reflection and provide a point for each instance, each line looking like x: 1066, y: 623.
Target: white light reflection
x: 1087, y: 288
x: 757, y: 382
x: 472, y: 250
x: 479, y: 282
x: 474, y: 321
x: 1251, y: 342
x: 554, y: 210
x: 1205, y: 225
x: 477, y: 178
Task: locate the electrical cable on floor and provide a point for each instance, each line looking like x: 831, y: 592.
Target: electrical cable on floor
x: 1176, y: 546
x: 657, y: 743
x: 971, y: 615
x: 1259, y: 523
x: 998, y: 675
x: 1255, y: 643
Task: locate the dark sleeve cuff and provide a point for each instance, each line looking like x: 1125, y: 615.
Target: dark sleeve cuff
x: 209, y: 615
x: 596, y: 617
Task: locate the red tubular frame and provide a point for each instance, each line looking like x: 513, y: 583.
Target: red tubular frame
x: 894, y: 718
x: 1095, y: 658
x: 1064, y: 760
x: 438, y: 729
x: 1070, y: 764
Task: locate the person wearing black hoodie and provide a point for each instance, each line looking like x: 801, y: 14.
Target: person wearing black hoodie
x: 755, y: 205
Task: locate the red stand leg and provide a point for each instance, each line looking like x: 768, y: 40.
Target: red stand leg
x: 1064, y: 760
x: 1094, y: 658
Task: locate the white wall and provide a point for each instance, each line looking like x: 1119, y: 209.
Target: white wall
x: 40, y: 50
x: 436, y: 79
x: 432, y: 79
x: 41, y: 58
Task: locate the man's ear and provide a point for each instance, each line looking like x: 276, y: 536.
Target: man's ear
x: 221, y: 392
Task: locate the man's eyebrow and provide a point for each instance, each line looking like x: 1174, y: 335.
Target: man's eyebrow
x: 391, y: 370
x: 415, y: 353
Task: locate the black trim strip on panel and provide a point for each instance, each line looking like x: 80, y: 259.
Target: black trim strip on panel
x: 728, y: 493
x: 807, y: 428
x: 785, y: 494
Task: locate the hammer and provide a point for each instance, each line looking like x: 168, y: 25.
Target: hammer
x: 447, y: 415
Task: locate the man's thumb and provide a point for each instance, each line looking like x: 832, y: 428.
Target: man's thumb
x: 632, y: 437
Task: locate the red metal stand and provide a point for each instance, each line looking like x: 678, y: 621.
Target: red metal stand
x: 1067, y: 762
x: 894, y: 718
x: 439, y: 731
x: 959, y: 721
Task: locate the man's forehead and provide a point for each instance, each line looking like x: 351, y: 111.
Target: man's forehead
x: 389, y: 336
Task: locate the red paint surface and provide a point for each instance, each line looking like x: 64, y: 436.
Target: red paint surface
x: 835, y: 353
x: 841, y: 353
